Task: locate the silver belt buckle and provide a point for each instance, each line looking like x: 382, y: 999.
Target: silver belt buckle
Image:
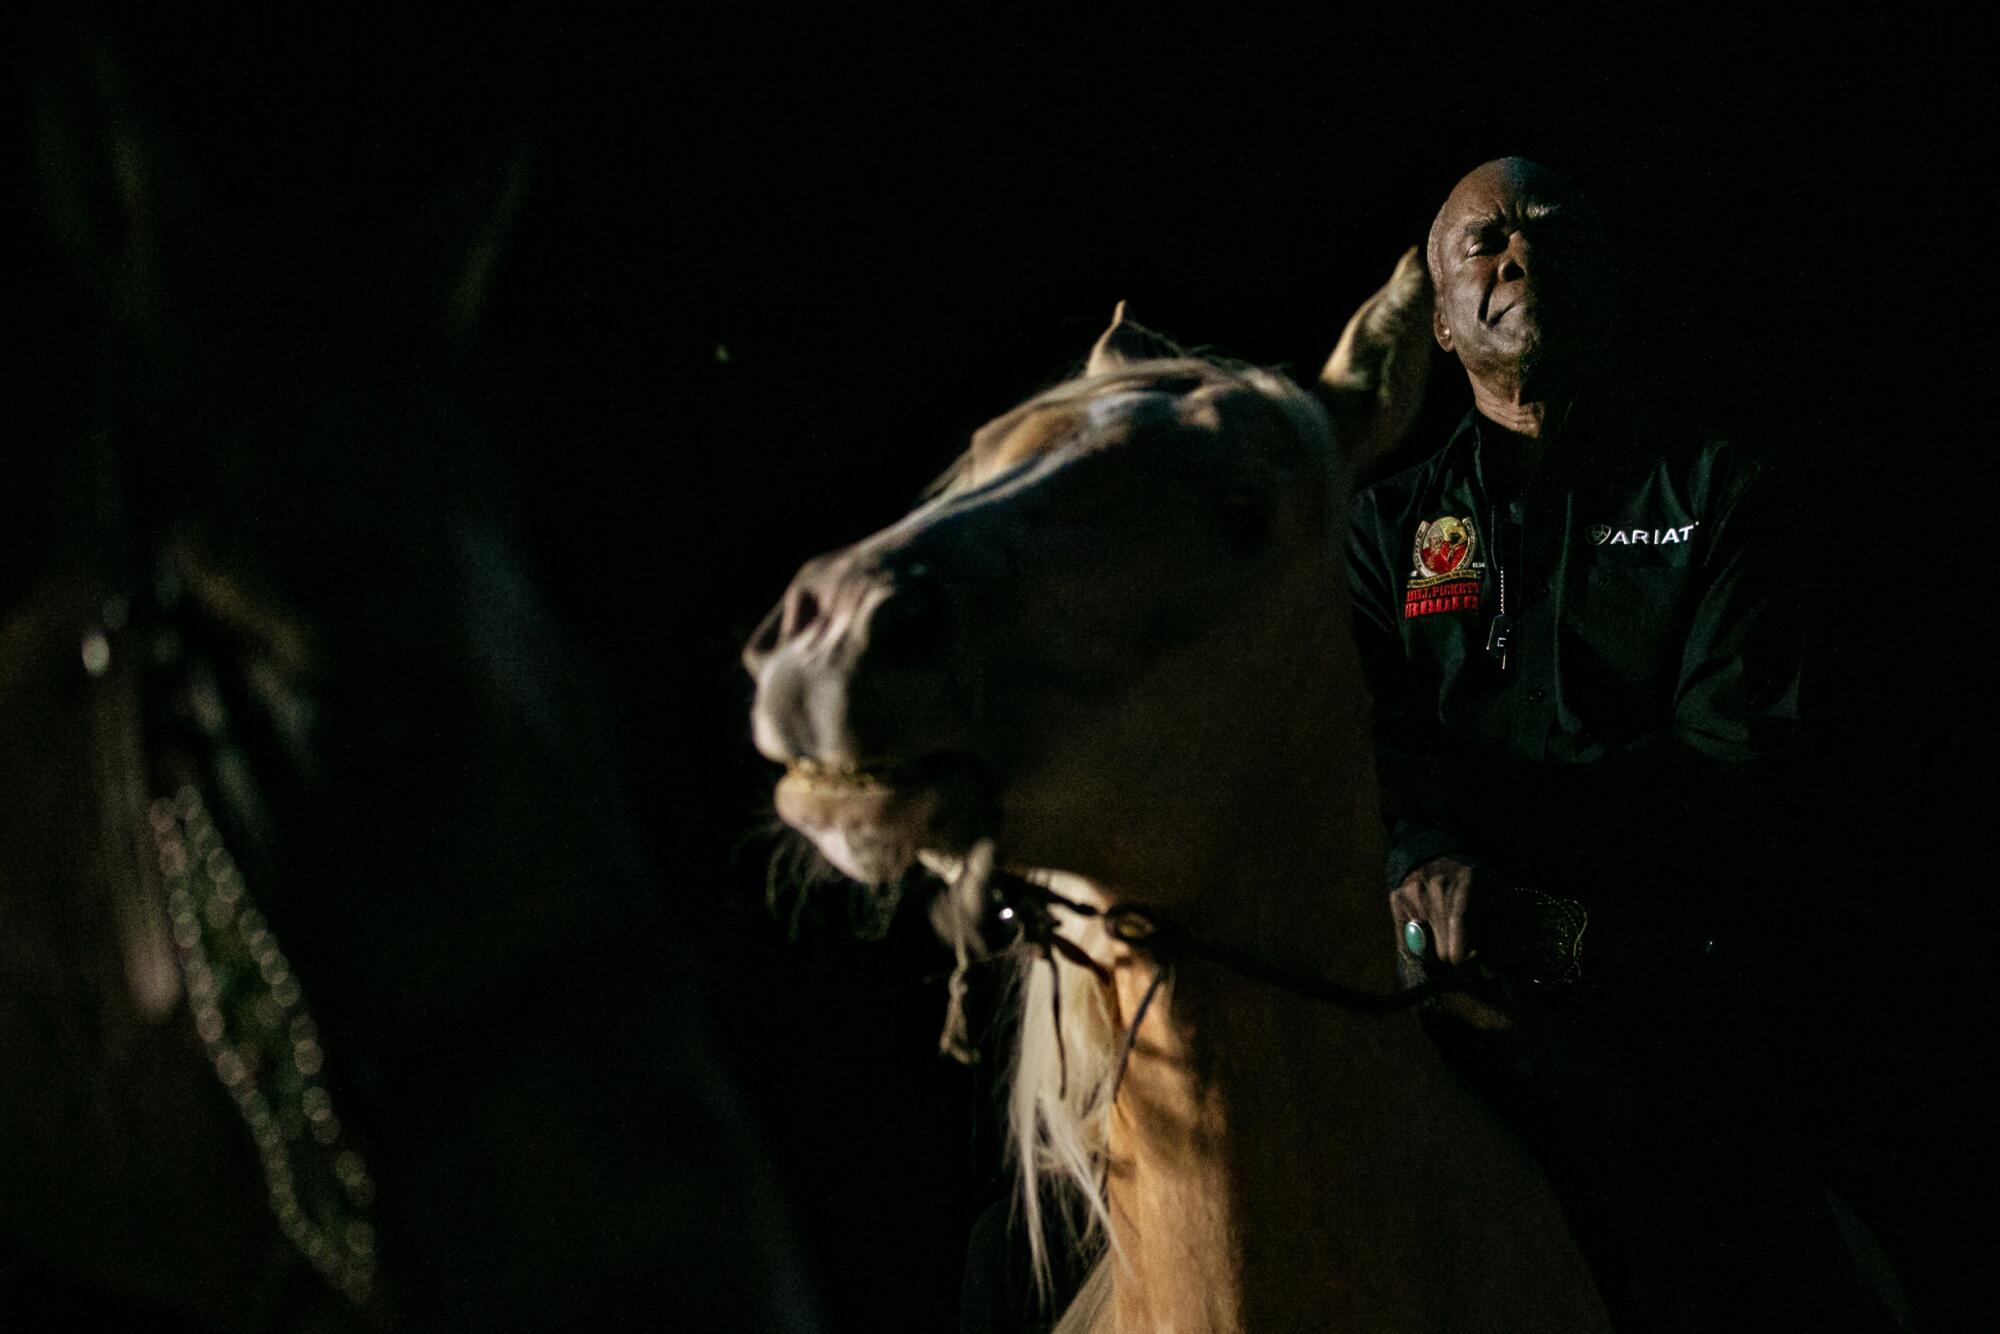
x: 1545, y: 938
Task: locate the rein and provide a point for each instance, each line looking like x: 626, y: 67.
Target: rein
x: 1033, y: 907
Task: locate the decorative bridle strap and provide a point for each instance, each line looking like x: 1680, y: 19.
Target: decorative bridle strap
x: 1034, y: 907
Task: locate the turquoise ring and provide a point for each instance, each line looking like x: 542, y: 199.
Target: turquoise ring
x: 1415, y: 939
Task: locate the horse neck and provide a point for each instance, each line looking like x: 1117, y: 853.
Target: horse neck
x: 1274, y: 1160
x: 1233, y: 1179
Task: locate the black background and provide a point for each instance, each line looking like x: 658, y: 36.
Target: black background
x: 772, y: 267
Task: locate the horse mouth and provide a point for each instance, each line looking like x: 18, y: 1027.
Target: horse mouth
x: 872, y: 820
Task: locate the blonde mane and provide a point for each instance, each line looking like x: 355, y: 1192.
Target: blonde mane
x: 1063, y: 1076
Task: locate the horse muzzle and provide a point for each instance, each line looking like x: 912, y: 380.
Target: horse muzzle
x: 863, y: 693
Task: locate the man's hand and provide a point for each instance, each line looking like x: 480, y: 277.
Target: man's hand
x: 1437, y: 894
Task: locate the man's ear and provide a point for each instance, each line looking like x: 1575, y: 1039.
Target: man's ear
x: 1125, y: 343
x: 1373, y: 384
x: 1438, y: 331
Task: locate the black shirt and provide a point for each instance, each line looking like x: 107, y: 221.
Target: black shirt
x: 1582, y: 654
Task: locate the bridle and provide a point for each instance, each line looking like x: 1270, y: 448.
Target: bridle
x: 1033, y: 907
x: 981, y: 887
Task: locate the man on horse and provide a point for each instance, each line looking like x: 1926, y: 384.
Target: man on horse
x: 1579, y: 714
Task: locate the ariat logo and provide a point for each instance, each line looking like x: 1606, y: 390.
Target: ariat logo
x: 1603, y: 535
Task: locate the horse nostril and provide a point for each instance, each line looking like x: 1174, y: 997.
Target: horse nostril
x: 801, y: 611
x: 793, y: 616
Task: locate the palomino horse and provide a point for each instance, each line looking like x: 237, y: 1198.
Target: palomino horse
x: 1111, y: 657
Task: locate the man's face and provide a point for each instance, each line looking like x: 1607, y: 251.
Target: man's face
x: 1522, y: 271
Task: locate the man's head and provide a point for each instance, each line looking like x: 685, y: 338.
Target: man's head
x: 1523, y: 275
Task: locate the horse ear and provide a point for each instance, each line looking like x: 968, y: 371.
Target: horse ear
x: 1373, y: 384
x: 1125, y: 343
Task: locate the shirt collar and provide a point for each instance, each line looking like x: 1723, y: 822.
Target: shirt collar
x: 1591, y: 414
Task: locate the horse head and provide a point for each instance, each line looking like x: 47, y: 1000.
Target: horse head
x: 1087, y: 640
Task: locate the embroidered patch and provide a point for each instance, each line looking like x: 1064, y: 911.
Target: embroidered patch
x: 1431, y: 597
x: 1444, y: 547
x: 1445, y: 571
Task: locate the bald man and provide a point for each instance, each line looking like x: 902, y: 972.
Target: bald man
x: 1579, y: 624
x: 1578, y: 611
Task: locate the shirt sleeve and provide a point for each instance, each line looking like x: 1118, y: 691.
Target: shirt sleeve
x: 1739, y: 685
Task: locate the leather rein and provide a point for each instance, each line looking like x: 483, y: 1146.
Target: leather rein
x: 1033, y: 907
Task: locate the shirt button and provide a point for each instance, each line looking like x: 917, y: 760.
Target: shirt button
x: 1538, y: 694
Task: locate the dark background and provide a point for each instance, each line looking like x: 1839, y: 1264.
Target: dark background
x: 771, y: 268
